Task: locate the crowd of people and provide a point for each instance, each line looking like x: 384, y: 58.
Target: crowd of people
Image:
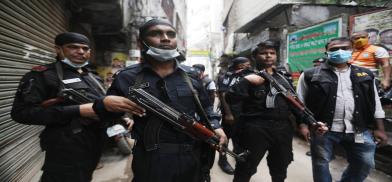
x: 340, y: 90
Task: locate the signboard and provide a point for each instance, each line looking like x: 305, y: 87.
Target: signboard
x: 307, y: 44
x: 378, y: 24
x: 199, y: 53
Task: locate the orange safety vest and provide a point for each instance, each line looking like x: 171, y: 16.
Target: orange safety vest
x: 365, y: 58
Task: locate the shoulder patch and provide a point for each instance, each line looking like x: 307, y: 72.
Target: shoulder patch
x: 39, y: 68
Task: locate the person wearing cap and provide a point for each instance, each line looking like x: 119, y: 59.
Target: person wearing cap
x: 73, y: 137
x: 239, y: 67
x: 371, y: 57
x: 208, y: 83
x: 162, y: 152
x: 265, y: 118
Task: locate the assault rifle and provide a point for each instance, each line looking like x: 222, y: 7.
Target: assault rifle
x: 181, y: 121
x: 292, y: 97
x: 67, y: 94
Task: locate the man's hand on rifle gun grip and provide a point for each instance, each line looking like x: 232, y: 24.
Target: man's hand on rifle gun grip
x: 255, y: 79
x: 320, y: 128
x: 222, y: 136
x: 122, y: 104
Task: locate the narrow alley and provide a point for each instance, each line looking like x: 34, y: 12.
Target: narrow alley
x: 117, y: 168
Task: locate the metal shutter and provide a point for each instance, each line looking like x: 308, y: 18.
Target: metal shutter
x: 27, y: 31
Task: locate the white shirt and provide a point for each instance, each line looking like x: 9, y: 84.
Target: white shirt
x: 344, y: 107
x: 381, y: 53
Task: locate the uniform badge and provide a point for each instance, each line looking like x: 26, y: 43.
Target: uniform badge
x: 72, y: 80
x: 365, y: 55
x: 362, y: 74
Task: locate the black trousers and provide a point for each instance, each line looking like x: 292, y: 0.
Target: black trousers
x: 71, y: 157
x: 231, y: 133
x: 165, y: 165
x: 259, y: 137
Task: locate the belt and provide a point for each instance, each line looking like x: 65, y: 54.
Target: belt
x: 174, y: 148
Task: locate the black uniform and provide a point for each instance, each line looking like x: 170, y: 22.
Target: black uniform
x: 162, y: 153
x: 72, y: 144
x: 263, y: 129
x: 224, y: 84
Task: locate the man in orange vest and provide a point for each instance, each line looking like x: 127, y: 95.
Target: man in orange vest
x: 370, y: 56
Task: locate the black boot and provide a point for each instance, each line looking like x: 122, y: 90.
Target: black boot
x: 224, y: 165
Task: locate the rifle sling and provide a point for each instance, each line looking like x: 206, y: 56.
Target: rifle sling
x: 199, y: 107
x: 207, y: 153
x: 99, y: 85
x: 76, y: 126
x: 287, y: 82
x: 60, y: 75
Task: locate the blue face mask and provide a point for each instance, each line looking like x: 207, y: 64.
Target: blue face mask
x: 340, y: 56
x: 74, y: 65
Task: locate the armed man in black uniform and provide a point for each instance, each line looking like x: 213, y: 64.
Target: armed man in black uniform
x: 162, y: 153
x: 239, y: 67
x: 72, y: 137
x: 264, y: 120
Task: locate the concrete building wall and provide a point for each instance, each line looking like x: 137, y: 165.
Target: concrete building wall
x: 249, y: 10
x: 236, y: 14
x: 180, y: 22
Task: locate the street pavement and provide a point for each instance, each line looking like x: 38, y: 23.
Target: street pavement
x: 117, y: 168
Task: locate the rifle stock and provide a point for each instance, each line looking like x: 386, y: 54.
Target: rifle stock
x: 181, y: 121
x: 52, y: 101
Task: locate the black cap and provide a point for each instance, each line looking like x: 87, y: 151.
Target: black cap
x: 71, y: 37
x: 238, y: 60
x: 200, y: 67
x: 143, y: 29
x: 267, y: 44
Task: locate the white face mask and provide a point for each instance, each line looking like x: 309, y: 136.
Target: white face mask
x: 162, y: 55
x: 74, y: 65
